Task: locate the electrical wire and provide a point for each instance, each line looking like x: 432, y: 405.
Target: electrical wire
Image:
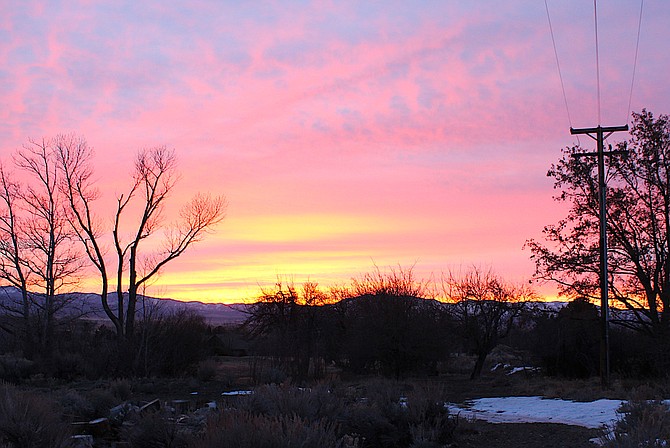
x: 595, y: 18
x: 637, y: 47
x: 558, y: 66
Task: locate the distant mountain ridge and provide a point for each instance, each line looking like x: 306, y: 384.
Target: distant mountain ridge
x: 90, y: 306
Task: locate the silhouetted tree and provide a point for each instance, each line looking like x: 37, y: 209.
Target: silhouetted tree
x: 390, y: 324
x: 638, y: 199
x: 37, y: 251
x: 12, y: 250
x: 383, y: 323
x: 485, y: 309
x: 154, y: 179
x: 568, y: 343
x: 289, y: 322
x: 397, y: 282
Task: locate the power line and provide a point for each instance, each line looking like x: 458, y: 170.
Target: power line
x: 558, y: 66
x: 637, y: 47
x: 595, y: 18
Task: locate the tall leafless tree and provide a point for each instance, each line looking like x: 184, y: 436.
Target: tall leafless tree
x: 12, y: 247
x: 75, y: 160
x: 154, y: 178
x: 287, y: 320
x: 39, y: 254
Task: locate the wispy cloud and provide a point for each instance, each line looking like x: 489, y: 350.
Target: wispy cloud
x: 341, y: 132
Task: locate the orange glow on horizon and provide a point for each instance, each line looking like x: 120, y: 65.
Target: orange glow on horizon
x: 343, y: 134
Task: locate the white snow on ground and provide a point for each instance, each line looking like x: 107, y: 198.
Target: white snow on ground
x: 522, y: 369
x: 235, y: 393
x: 592, y: 414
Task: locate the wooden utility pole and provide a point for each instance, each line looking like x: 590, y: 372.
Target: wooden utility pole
x: 600, y: 137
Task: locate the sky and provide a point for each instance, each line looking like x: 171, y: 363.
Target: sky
x: 344, y: 135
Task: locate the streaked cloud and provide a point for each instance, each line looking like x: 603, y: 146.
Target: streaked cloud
x: 342, y: 132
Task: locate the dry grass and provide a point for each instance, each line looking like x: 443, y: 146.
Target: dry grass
x: 642, y: 424
x: 499, y: 384
x: 29, y: 421
x: 243, y: 429
x: 373, y: 413
x: 155, y: 430
x: 590, y: 389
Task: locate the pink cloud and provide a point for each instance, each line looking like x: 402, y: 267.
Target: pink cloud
x: 440, y: 119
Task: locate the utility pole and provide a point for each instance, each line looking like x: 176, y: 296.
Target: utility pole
x: 600, y: 137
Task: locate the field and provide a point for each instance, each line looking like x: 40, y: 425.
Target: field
x: 340, y: 410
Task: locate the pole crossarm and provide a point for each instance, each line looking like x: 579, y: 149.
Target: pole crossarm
x: 595, y: 154
x: 598, y: 129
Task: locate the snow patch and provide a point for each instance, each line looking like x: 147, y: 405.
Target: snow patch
x: 523, y: 369
x: 236, y: 393
x: 594, y: 414
x: 509, y: 370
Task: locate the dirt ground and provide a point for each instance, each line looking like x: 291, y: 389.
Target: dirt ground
x: 523, y: 435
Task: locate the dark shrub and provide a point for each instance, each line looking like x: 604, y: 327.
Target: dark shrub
x: 171, y: 344
x: 309, y: 404
x: 392, y: 335
x: 388, y: 414
x: 76, y: 405
x: 378, y: 425
x: 569, y: 343
x: 155, y: 430
x: 65, y: 365
x: 379, y: 413
x: 29, y: 421
x: 15, y: 368
x: 102, y: 400
x: 121, y: 389
x: 642, y: 424
x: 430, y: 423
x: 243, y: 429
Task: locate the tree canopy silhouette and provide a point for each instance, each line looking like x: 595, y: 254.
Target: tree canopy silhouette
x: 638, y: 215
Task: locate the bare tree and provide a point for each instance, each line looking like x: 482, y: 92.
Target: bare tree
x: 75, y: 161
x: 12, y: 268
x: 39, y: 255
x: 154, y: 178
x: 397, y: 282
x: 485, y: 308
